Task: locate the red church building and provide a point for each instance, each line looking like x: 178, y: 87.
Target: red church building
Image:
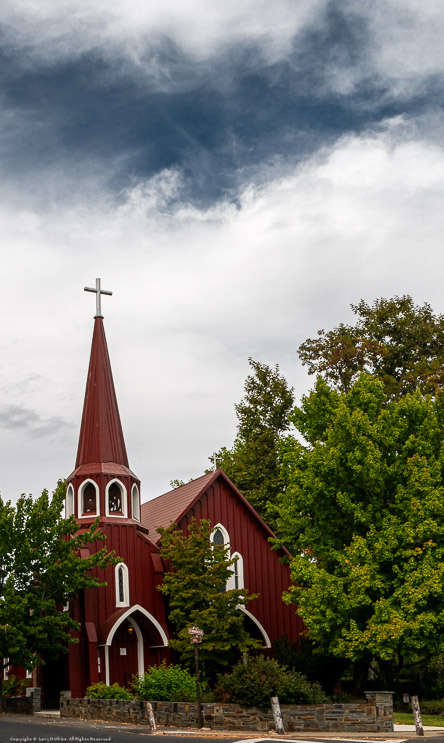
x: 124, y: 625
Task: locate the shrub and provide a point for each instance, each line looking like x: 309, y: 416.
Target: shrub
x: 14, y: 686
x: 253, y: 682
x: 295, y: 688
x: 165, y: 683
x: 102, y: 691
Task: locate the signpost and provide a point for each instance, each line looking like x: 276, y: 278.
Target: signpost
x: 196, y: 636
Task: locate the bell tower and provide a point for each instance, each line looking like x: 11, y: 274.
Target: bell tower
x: 101, y: 484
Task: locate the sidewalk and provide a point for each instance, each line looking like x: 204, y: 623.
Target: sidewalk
x: 401, y: 732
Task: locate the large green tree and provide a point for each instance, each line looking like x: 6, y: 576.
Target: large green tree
x: 363, y: 515
x: 399, y: 342
x: 196, y: 589
x: 253, y: 462
x: 40, y: 570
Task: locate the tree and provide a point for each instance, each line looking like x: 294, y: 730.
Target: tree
x: 363, y: 515
x: 394, y: 339
x: 253, y: 462
x: 40, y: 570
x: 196, y: 588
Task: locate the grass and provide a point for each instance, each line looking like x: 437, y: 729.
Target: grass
x: 406, y: 718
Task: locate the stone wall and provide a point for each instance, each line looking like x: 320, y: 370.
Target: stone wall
x: 18, y: 705
x: 375, y: 716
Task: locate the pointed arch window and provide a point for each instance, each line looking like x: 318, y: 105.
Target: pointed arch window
x: 69, y: 503
x: 220, y: 537
x: 220, y: 540
x: 237, y: 578
x: 122, y: 584
x: 116, y: 499
x: 89, y: 499
x: 135, y: 503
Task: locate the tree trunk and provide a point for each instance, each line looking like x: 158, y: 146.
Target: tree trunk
x: 360, y: 674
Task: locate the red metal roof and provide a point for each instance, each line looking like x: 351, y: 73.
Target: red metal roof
x: 171, y: 507
x: 167, y: 508
x: 101, y: 436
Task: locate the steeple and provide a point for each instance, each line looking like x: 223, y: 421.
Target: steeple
x: 101, y: 436
x: 102, y: 484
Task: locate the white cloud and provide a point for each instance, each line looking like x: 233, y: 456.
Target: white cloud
x: 52, y: 30
x: 400, y: 40
x: 198, y: 291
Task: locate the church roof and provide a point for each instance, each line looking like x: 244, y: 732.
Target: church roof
x: 172, y: 506
x: 101, y: 435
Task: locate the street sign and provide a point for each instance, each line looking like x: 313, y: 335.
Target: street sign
x: 195, y: 639
x: 196, y: 631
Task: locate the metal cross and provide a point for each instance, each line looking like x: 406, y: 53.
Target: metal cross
x: 215, y: 459
x: 98, y: 291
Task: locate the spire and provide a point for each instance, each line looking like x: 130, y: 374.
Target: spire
x: 101, y: 436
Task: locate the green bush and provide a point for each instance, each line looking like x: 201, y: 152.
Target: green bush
x: 14, y: 686
x: 432, y: 706
x: 165, y: 683
x: 253, y: 682
x: 295, y: 688
x: 103, y: 691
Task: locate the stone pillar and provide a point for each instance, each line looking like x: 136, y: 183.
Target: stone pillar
x: 35, y: 693
x: 383, y: 703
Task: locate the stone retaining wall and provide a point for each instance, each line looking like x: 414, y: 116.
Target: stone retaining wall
x: 375, y: 716
x: 18, y: 705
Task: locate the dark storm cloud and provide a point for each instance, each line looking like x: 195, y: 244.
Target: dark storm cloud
x: 18, y: 417
x: 214, y: 119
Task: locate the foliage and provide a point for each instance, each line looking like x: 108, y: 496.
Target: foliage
x: 166, y: 683
x: 100, y: 690
x: 196, y: 590
x: 40, y: 570
x: 363, y: 515
x: 306, y: 658
x: 254, y: 680
x: 394, y: 339
x: 14, y: 686
x: 253, y: 462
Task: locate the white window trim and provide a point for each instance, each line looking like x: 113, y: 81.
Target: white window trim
x: 135, y: 490
x: 124, y: 513
x: 225, y: 535
x: 28, y: 674
x: 69, y: 499
x: 240, y: 573
x: 80, y: 500
x: 126, y: 596
x: 6, y: 670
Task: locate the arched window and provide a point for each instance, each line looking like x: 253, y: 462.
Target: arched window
x: 237, y: 578
x: 135, y: 503
x: 69, y: 502
x: 115, y: 498
x: 122, y: 584
x: 88, y: 499
x: 220, y: 537
x: 220, y: 540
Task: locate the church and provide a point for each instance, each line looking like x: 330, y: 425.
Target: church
x: 124, y: 625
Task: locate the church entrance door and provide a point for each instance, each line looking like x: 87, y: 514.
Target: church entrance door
x: 123, y: 654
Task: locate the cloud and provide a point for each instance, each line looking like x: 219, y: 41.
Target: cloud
x: 197, y: 290
x: 18, y: 417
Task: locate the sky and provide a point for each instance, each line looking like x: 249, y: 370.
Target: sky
x: 236, y: 173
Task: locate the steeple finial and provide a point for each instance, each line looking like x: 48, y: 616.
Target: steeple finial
x: 98, y: 291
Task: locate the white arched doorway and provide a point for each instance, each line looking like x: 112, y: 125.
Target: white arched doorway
x: 126, y: 642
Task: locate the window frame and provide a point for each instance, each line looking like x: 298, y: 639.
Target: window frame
x: 82, y: 487
x: 121, y: 566
x: 123, y: 514
x: 70, y: 500
x: 135, y: 490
